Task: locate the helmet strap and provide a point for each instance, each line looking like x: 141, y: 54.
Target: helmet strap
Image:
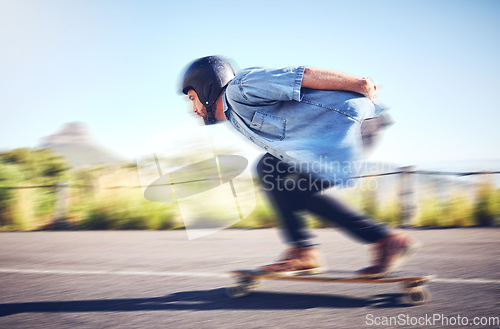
x: 210, y: 120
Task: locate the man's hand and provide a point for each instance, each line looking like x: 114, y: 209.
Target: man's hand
x: 370, y: 89
x: 332, y: 80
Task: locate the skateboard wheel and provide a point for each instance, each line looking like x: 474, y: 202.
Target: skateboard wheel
x: 417, y: 296
x: 412, y: 284
x: 253, y: 283
x: 237, y: 291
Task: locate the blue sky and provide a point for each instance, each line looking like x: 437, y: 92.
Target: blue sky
x: 115, y: 65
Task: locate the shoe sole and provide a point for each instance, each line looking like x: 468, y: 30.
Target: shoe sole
x: 409, y: 251
x: 299, y: 272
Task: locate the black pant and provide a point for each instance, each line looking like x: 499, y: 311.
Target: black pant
x: 291, y: 192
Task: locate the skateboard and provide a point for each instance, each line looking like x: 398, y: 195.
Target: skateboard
x: 414, y: 291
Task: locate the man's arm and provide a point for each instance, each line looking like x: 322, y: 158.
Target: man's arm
x: 330, y: 80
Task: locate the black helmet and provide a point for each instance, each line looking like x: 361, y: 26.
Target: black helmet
x: 208, y: 76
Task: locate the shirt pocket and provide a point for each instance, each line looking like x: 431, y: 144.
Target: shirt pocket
x: 268, y: 126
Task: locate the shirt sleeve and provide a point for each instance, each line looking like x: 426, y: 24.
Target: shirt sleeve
x: 267, y: 85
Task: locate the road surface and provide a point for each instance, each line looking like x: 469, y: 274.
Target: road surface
x: 160, y: 279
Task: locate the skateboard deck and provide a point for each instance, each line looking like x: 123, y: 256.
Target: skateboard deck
x: 413, y: 284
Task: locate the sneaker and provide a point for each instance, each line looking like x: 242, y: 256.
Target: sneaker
x: 390, y: 253
x: 296, y: 261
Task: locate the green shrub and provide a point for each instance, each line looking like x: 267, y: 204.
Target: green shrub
x: 127, y: 210
x: 157, y: 215
x: 44, y: 201
x: 487, y: 208
x: 391, y: 213
x: 458, y: 211
x: 10, y: 176
x: 369, y: 202
x: 429, y: 213
x: 316, y: 222
x: 262, y: 216
x: 23, y: 217
x: 496, y: 207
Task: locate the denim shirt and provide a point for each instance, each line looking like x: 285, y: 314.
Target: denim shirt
x: 316, y: 131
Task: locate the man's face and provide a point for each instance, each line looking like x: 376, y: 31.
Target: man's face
x: 198, y: 108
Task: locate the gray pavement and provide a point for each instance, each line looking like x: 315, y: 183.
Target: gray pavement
x: 140, y: 279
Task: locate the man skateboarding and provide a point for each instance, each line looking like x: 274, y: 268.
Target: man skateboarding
x: 312, y: 123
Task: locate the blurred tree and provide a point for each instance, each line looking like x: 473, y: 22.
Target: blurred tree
x: 9, y: 176
x: 34, y: 167
x: 21, y: 157
x: 37, y: 165
x: 486, y: 208
x: 369, y: 199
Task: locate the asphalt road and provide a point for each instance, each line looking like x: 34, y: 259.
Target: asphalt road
x: 133, y: 279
